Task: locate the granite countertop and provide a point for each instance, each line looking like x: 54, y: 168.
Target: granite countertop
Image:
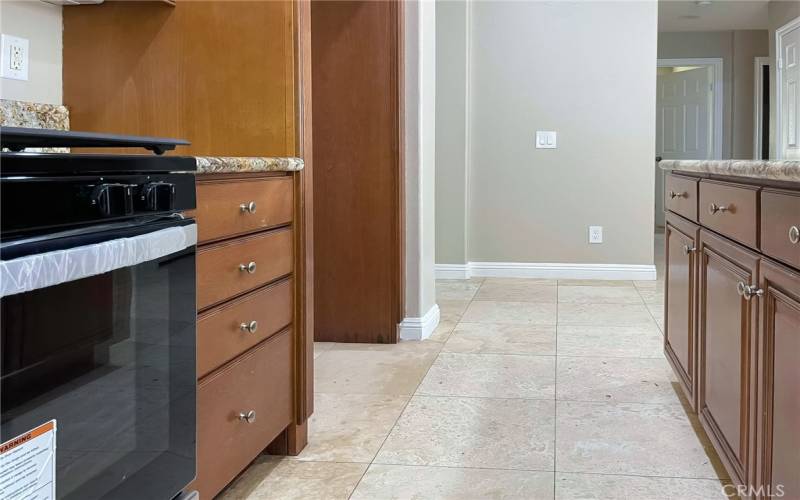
x: 244, y: 164
x: 775, y: 170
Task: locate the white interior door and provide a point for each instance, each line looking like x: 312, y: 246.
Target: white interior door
x: 789, y: 44
x: 684, y: 104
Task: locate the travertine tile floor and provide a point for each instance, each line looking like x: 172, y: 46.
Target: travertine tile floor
x: 529, y: 389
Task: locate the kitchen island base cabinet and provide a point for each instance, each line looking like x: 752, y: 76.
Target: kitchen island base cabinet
x: 681, y: 294
x: 726, y: 340
x: 778, y: 431
x: 732, y: 331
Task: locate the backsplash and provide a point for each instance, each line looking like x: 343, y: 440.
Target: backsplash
x: 33, y: 115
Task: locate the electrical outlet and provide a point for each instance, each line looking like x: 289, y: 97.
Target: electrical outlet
x: 595, y: 234
x: 14, y: 57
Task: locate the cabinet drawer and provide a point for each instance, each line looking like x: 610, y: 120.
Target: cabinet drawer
x: 232, y: 268
x: 780, y: 225
x: 731, y: 210
x: 680, y: 195
x: 259, y: 382
x: 226, y: 332
x: 230, y: 208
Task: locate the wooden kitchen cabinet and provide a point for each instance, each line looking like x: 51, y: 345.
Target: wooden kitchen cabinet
x: 726, y: 338
x: 732, y: 331
x: 682, y: 241
x: 777, y: 432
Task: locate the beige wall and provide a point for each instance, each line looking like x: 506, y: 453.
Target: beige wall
x: 545, y: 66
x: 780, y: 13
x: 451, y: 159
x: 41, y: 24
x: 738, y: 50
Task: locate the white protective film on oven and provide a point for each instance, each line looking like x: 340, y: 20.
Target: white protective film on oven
x: 33, y: 272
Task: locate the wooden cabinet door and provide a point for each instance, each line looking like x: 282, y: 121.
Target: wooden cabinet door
x: 680, y: 299
x: 726, y: 339
x: 778, y: 460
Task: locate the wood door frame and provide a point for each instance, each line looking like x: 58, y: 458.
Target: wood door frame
x: 778, y: 134
x: 396, y: 256
x: 718, y: 94
x: 304, y: 209
x: 758, y: 105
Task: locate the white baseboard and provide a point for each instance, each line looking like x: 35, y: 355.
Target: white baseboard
x: 548, y: 271
x: 420, y: 328
x: 452, y: 271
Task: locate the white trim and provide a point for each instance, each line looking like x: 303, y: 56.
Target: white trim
x: 719, y: 92
x: 778, y: 133
x: 419, y: 328
x: 758, y: 101
x: 636, y: 272
x: 452, y: 271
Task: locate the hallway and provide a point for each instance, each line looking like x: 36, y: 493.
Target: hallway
x: 528, y: 389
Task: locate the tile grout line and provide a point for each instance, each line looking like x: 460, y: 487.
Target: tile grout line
x: 400, y: 415
x: 555, y: 397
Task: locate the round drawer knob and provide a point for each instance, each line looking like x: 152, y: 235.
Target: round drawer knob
x: 714, y: 208
x: 250, y: 327
x: 248, y: 208
x: 748, y: 291
x: 794, y: 235
x: 248, y: 417
x: 250, y: 268
x: 687, y: 249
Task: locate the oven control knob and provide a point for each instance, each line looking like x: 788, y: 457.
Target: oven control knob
x: 158, y: 196
x: 113, y: 200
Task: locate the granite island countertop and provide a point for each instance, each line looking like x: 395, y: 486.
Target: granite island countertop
x: 247, y: 164
x: 775, y: 170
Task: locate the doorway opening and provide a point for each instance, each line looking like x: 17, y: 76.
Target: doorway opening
x: 689, y: 106
x: 761, y: 109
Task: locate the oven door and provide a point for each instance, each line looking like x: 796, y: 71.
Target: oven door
x: 98, y: 334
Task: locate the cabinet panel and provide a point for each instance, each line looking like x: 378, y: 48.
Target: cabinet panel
x: 780, y: 225
x: 232, y: 268
x: 259, y: 382
x: 221, y: 334
x: 778, y: 433
x: 680, y: 297
x: 726, y: 336
x: 680, y: 195
x: 231, y: 208
x: 730, y: 209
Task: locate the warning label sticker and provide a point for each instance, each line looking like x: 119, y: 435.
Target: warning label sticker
x: 28, y: 465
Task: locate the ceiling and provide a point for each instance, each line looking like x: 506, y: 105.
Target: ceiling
x: 680, y: 15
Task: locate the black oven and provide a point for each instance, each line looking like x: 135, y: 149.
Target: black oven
x: 97, y: 324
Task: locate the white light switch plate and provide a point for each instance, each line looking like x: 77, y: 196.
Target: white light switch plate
x: 545, y: 139
x: 14, y: 57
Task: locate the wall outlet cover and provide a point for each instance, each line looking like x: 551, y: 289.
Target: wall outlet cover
x: 595, y: 234
x: 14, y: 59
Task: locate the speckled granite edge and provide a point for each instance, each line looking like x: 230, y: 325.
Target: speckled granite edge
x: 33, y: 115
x: 243, y: 164
x: 776, y: 170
